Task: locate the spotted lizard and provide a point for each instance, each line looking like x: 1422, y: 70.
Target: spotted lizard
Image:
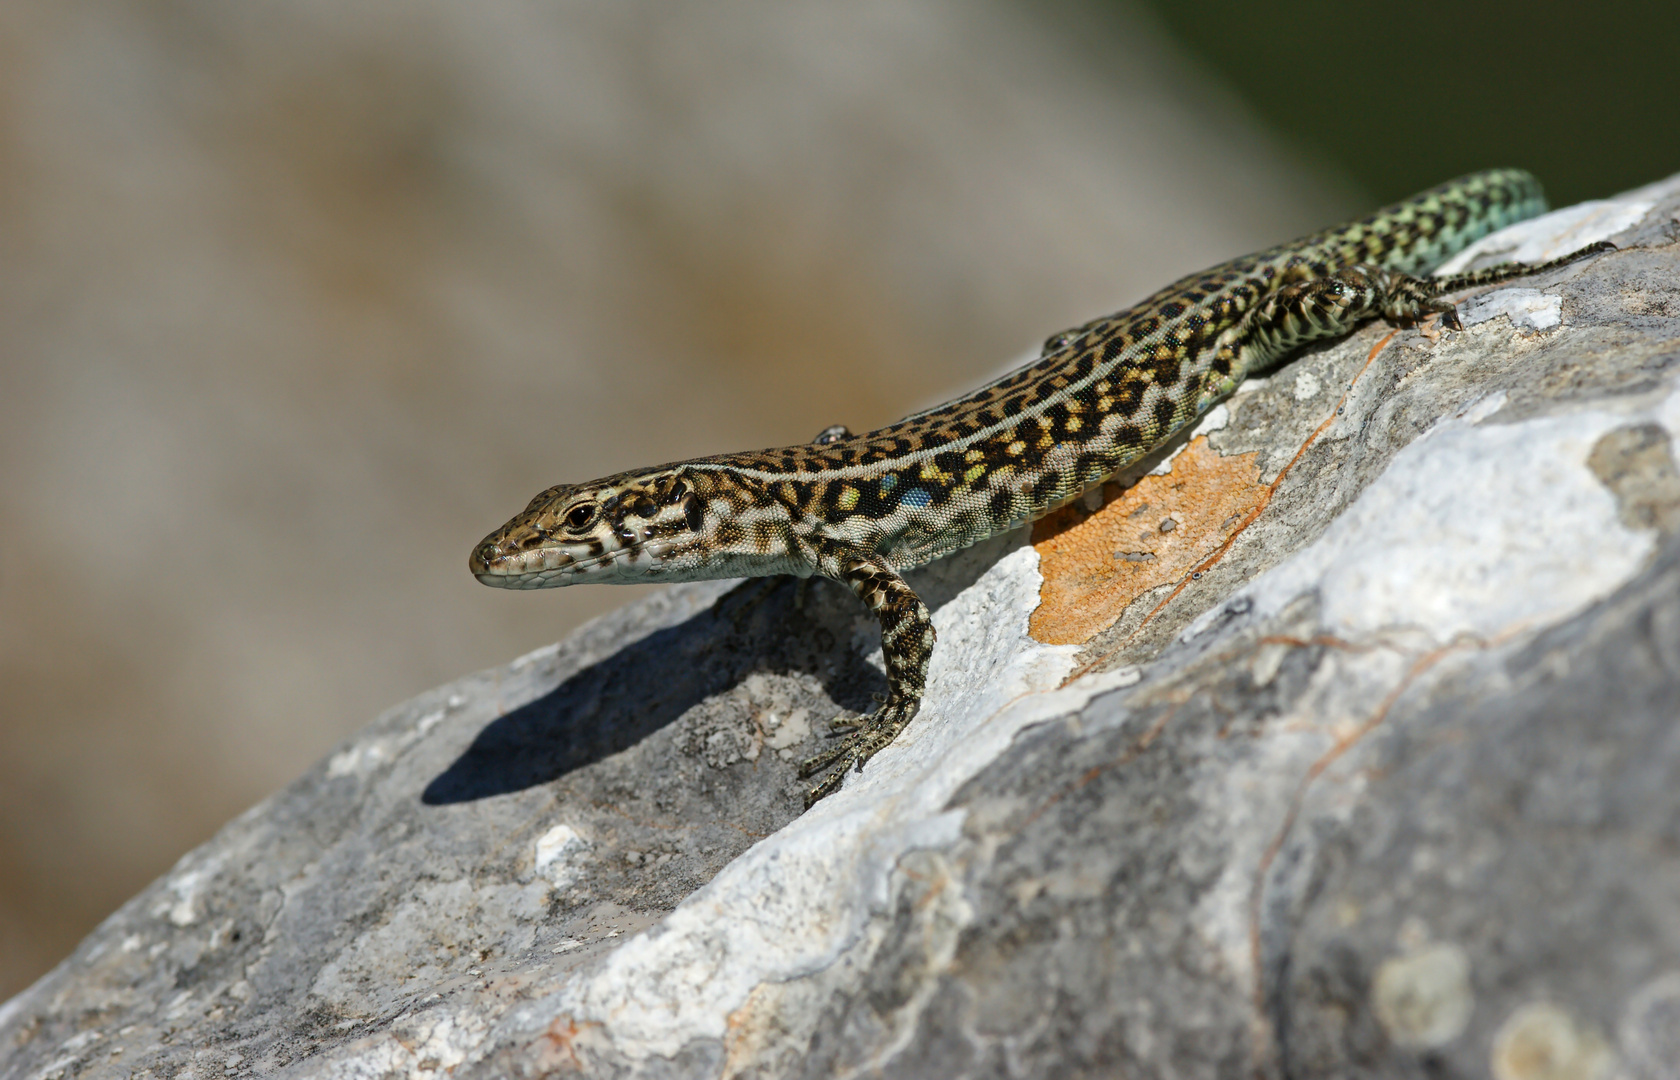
x: 864, y: 509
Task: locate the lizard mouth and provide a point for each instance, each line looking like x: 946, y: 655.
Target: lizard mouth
x: 550, y: 568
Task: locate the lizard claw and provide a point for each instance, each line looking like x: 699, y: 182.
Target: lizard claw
x: 869, y: 735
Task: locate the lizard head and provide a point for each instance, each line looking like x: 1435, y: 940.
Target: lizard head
x: 628, y: 528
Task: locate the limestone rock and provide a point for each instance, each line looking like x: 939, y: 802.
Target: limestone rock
x: 1376, y: 771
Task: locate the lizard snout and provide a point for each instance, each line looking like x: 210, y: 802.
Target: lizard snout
x: 482, y: 556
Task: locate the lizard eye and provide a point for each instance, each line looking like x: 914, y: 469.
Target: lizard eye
x: 1057, y: 342
x: 581, y: 516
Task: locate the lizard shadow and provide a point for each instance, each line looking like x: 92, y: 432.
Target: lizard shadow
x: 623, y: 699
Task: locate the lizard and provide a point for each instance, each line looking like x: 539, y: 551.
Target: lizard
x: 862, y: 509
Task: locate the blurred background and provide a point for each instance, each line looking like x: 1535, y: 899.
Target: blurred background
x: 298, y: 300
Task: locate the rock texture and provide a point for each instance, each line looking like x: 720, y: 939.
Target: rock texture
x: 1383, y: 778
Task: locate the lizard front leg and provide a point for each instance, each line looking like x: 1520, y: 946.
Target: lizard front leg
x: 906, y: 644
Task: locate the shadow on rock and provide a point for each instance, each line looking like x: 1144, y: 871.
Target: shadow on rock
x: 612, y: 705
x: 603, y: 709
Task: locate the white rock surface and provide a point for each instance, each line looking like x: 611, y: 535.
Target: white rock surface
x: 1527, y: 309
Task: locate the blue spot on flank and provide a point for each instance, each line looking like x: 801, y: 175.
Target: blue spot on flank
x: 916, y: 498
x: 888, y: 482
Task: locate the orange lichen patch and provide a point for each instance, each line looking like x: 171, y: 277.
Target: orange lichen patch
x: 1259, y: 505
x: 1152, y: 534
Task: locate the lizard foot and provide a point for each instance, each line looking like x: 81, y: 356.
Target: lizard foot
x: 869, y: 734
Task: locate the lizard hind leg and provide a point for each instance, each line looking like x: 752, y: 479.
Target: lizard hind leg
x: 1339, y: 301
x: 1502, y: 272
x: 1409, y: 300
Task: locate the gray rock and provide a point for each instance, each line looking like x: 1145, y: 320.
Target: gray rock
x: 1389, y: 786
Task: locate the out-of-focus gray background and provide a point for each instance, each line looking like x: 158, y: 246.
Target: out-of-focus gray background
x: 300, y: 299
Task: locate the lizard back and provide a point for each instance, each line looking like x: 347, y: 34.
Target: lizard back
x: 1102, y: 395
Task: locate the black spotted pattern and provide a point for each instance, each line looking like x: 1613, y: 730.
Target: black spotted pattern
x: 863, y: 508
